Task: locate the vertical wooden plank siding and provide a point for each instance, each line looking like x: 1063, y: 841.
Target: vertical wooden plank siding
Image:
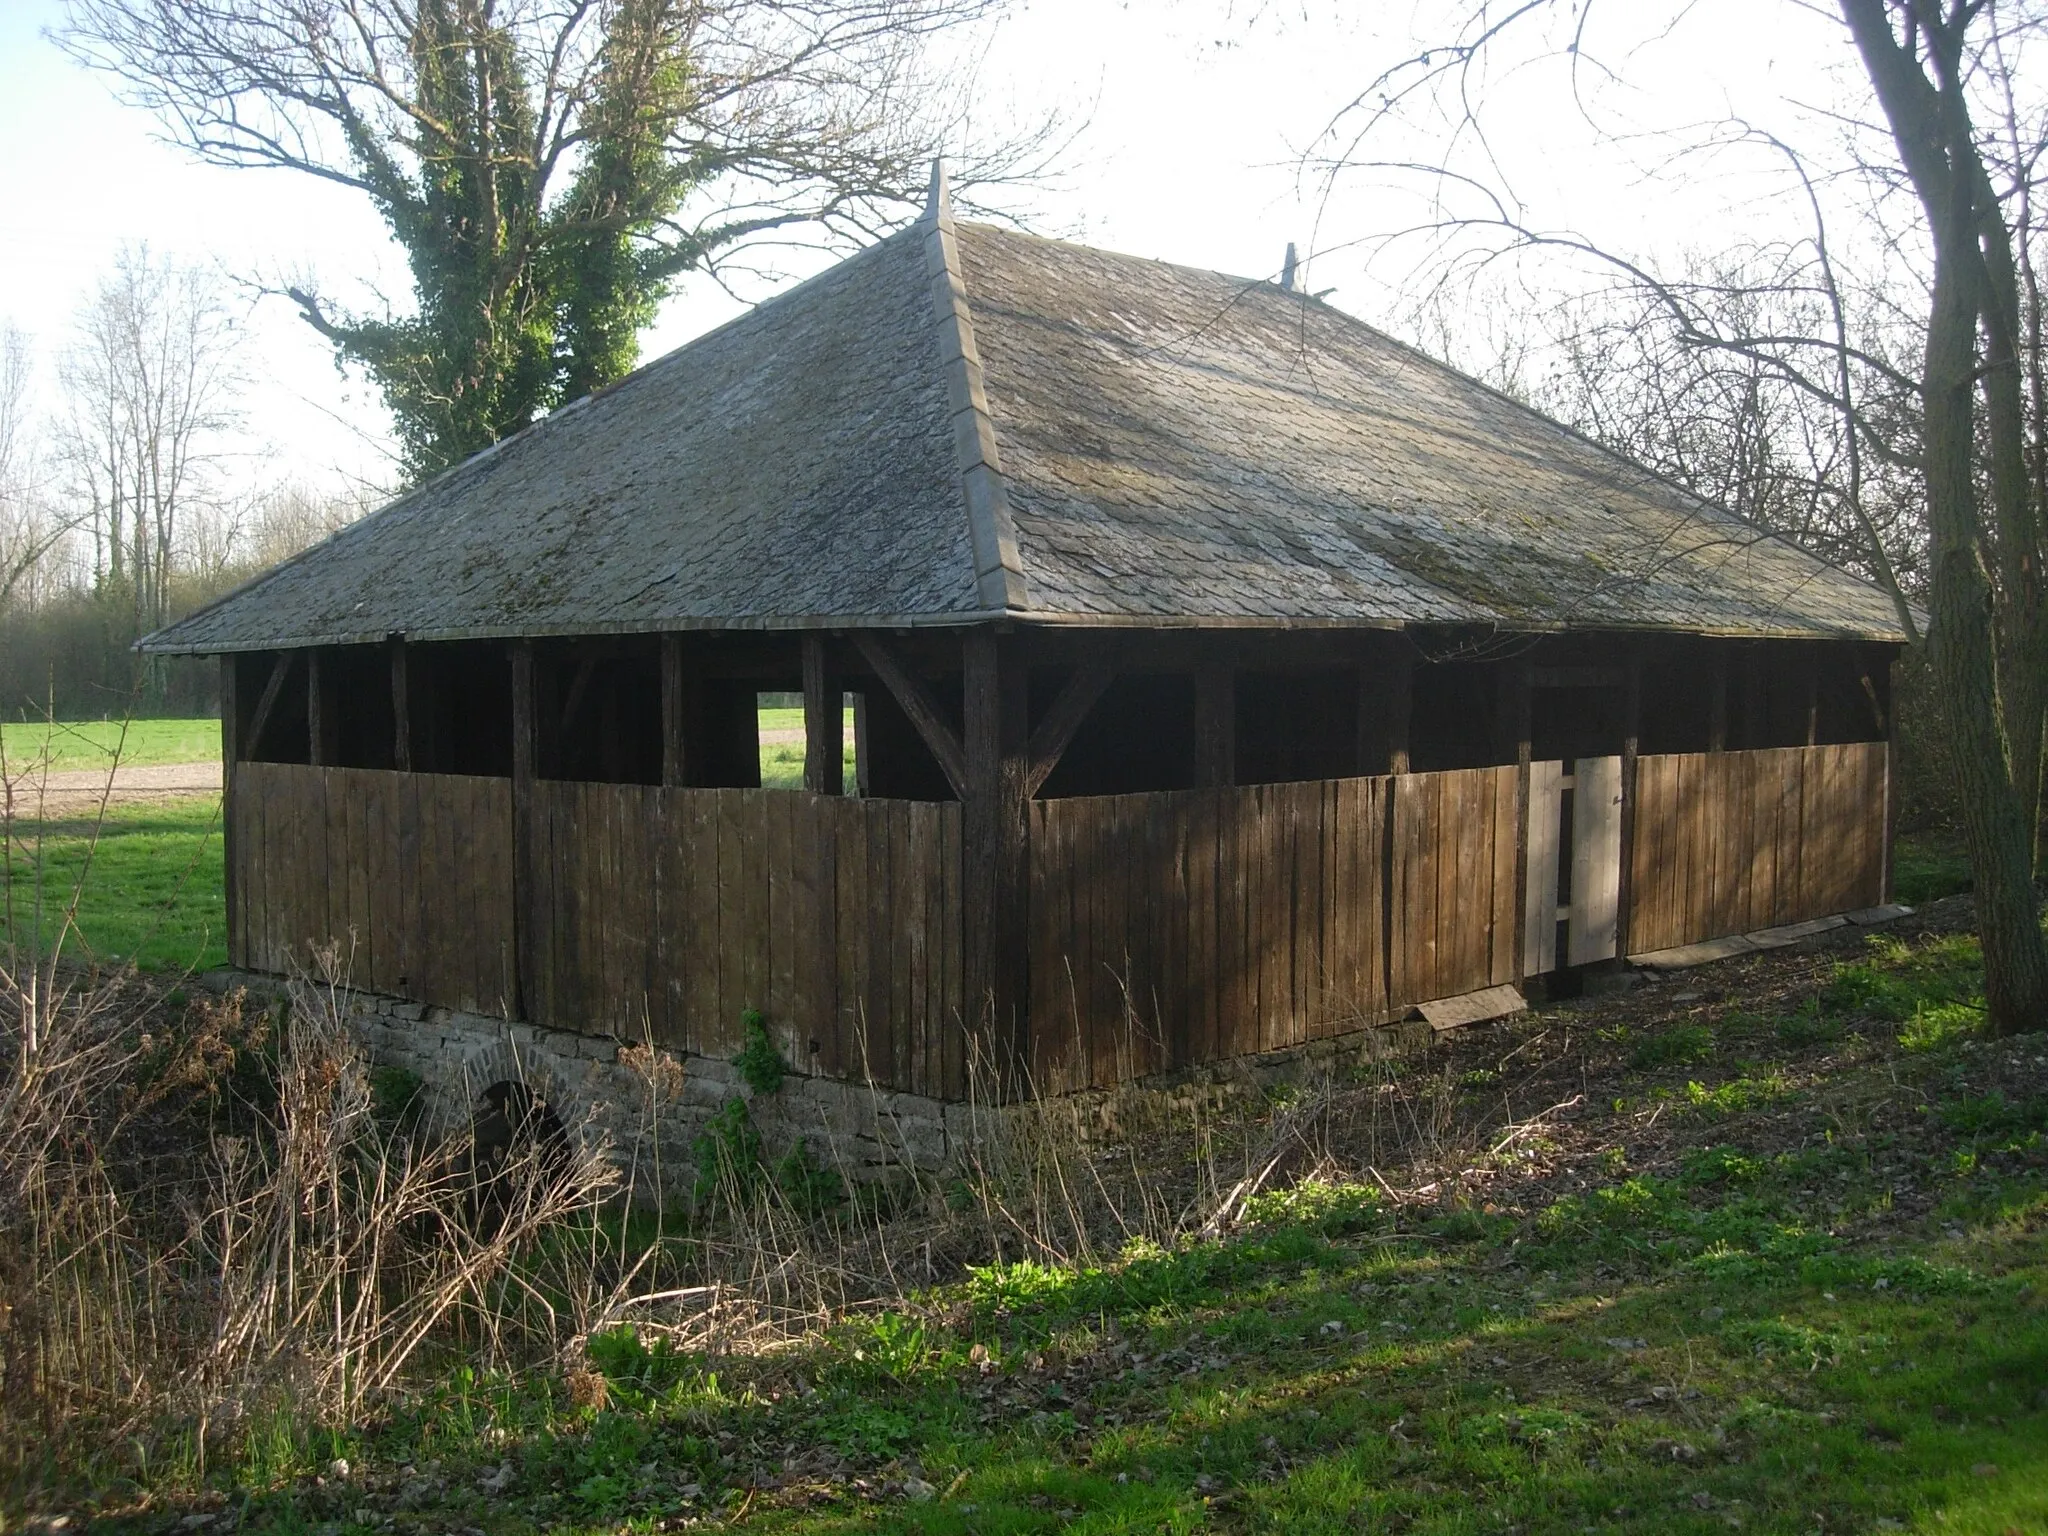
x: 662, y: 911
x: 1163, y: 929
x: 1734, y: 841
x: 1546, y: 811
x: 1186, y: 926
x: 354, y: 858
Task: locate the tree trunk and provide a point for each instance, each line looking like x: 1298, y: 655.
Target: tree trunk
x: 2022, y: 654
x: 1930, y: 123
x: 1964, y: 656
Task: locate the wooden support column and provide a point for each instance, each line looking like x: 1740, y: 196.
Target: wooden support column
x: 1400, y: 701
x: 1516, y: 715
x: 401, y: 708
x: 995, y: 847
x: 231, y: 879
x: 1809, y: 674
x: 1215, y: 725
x: 682, y: 712
x: 1889, y: 726
x: 1752, y: 726
x: 528, y: 929
x: 317, y: 737
x: 824, y: 723
x: 1631, y: 751
x: 1717, y: 697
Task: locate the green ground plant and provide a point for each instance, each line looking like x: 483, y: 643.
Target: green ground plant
x: 1829, y: 1320
x: 86, y: 745
x: 155, y: 895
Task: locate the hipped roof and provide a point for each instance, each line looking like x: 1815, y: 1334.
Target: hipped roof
x: 962, y: 423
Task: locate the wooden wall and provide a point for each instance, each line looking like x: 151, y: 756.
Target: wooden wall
x: 1729, y: 842
x: 671, y: 911
x: 662, y: 911
x: 1163, y: 929
x: 417, y: 867
x: 1193, y: 925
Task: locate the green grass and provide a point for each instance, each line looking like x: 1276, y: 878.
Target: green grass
x: 1927, y: 867
x: 88, y: 744
x: 1751, y: 1337
x: 154, y: 895
x: 782, y: 763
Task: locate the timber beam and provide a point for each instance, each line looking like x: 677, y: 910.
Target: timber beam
x: 917, y: 702
x: 1055, y: 733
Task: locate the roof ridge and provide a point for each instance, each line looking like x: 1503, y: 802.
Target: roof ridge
x: 998, y: 567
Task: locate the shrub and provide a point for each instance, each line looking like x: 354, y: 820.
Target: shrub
x: 761, y: 1066
x: 728, y: 1155
x: 810, y: 1188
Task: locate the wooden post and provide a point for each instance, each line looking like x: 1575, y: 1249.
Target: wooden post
x: 527, y: 935
x: 1717, y: 698
x: 1886, y: 894
x: 1752, y: 727
x: 861, y: 756
x: 1400, y: 704
x: 1631, y: 750
x: 995, y: 847
x: 824, y: 723
x: 1810, y: 676
x: 230, y: 849
x: 1215, y: 725
x: 316, y: 717
x: 678, y: 718
x: 1516, y: 714
x: 401, y: 708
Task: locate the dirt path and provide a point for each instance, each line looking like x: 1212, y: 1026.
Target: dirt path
x: 45, y: 796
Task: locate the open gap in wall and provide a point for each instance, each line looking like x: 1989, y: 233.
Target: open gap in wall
x: 1297, y: 725
x: 1453, y: 717
x: 899, y: 766
x: 1569, y: 723
x: 270, y: 703
x: 1139, y: 736
x: 459, y: 704
x: 356, y: 708
x: 599, y: 708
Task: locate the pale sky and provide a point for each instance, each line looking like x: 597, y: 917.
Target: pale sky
x: 1197, y: 115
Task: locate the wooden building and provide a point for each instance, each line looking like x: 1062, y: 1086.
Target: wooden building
x: 1230, y: 676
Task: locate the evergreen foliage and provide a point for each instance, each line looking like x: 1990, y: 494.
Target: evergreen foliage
x: 525, y: 302
x: 761, y: 1066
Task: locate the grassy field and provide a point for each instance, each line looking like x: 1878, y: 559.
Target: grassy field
x: 1774, y: 1258
x: 92, y: 744
x: 156, y: 892
x: 88, y: 744
x: 154, y: 895
x: 782, y: 763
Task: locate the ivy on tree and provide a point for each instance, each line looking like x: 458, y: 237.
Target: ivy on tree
x: 538, y: 165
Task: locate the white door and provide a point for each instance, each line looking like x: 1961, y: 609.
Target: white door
x: 1589, y: 800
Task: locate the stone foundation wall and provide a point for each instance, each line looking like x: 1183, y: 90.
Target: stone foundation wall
x: 650, y: 1104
